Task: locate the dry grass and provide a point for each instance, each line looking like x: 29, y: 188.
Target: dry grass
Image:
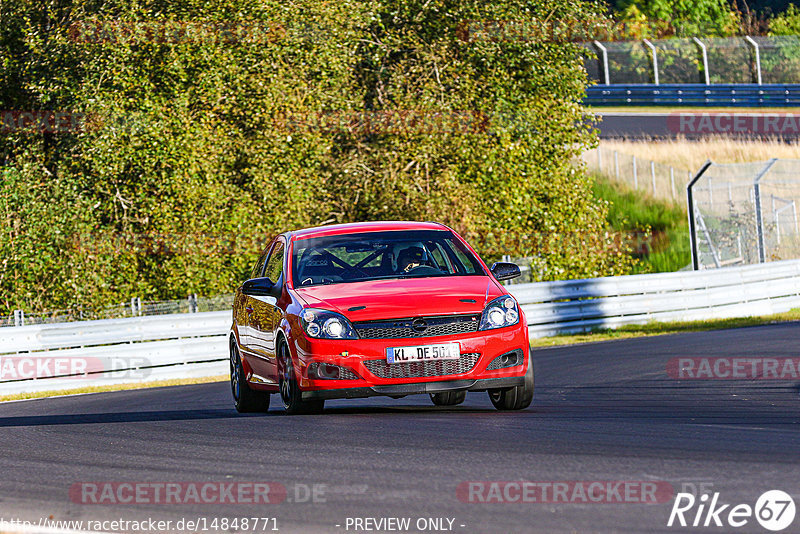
x: 691, y: 155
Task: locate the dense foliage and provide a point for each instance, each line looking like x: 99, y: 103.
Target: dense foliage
x: 206, y: 127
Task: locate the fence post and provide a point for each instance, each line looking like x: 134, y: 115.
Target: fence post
x: 193, y: 303
x: 705, y: 58
x: 655, y: 60
x: 635, y: 177
x: 754, y: 44
x: 710, y: 193
x: 692, y: 227
x: 604, y: 53
x: 19, y: 318
x: 136, y: 306
x: 672, y: 180
x: 762, y: 253
x: 653, y: 174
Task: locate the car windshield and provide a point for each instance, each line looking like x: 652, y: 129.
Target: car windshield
x: 380, y: 255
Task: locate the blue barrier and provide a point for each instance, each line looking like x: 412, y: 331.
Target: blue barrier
x: 749, y: 95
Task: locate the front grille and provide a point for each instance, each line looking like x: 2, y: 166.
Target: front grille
x: 418, y: 327
x: 382, y: 369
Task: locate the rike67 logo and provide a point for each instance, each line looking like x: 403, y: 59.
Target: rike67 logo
x: 774, y: 510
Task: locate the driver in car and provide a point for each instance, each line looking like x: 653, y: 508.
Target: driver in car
x: 410, y: 258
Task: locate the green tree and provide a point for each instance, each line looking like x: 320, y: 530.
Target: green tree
x: 204, y: 136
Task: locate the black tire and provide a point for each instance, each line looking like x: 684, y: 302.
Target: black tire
x: 290, y: 391
x: 245, y: 399
x: 448, y: 398
x: 517, y: 397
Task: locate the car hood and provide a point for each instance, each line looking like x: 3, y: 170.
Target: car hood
x: 399, y: 298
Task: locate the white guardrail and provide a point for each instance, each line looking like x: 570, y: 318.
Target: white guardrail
x: 140, y: 349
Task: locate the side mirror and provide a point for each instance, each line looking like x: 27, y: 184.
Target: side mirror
x: 505, y: 271
x: 261, y: 287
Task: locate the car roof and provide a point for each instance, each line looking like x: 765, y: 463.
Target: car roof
x: 360, y: 227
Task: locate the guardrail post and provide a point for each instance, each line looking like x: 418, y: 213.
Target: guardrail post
x: 19, y: 318
x: 616, y: 163
x: 192, y: 303
x: 635, y: 177
x: 692, y: 226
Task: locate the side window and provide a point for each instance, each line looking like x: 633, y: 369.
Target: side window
x: 259, y: 266
x: 466, y: 265
x: 275, y: 263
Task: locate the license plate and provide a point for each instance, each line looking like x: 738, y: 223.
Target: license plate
x: 423, y: 353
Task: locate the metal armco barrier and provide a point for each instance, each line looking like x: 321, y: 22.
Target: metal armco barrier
x: 685, y: 94
x: 160, y: 347
x: 82, y: 354
x: 572, y: 306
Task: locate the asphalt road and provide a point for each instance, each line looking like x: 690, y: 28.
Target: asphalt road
x: 602, y: 412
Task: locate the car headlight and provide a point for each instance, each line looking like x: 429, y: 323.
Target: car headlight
x: 501, y: 312
x: 324, y: 324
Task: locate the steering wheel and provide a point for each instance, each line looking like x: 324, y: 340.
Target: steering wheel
x: 423, y: 269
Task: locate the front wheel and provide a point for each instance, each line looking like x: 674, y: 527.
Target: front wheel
x: 516, y: 397
x: 291, y: 395
x: 244, y: 399
x: 448, y: 398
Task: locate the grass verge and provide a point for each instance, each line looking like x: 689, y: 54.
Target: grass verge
x: 632, y: 211
x: 659, y: 329
x: 114, y: 387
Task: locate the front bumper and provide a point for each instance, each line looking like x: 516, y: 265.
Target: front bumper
x: 366, y: 382
x: 401, y: 390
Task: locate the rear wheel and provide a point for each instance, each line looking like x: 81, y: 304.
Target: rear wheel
x: 448, y: 398
x: 517, y: 397
x: 290, y: 391
x: 244, y: 398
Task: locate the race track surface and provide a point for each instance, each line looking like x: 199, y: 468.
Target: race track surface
x: 602, y: 412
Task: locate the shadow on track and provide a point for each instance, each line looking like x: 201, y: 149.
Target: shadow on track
x: 119, y: 417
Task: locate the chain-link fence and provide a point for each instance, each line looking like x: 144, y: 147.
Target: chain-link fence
x: 745, y: 213
x: 729, y: 60
x: 657, y: 179
x: 136, y: 307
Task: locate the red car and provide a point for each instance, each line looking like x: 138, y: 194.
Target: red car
x: 381, y: 308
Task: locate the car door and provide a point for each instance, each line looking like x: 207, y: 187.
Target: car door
x: 245, y: 308
x: 266, y: 315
